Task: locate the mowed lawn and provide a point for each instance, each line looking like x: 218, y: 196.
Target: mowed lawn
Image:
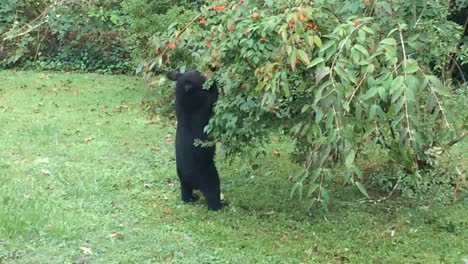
x: 87, y: 175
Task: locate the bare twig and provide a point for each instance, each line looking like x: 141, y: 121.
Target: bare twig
x: 42, y: 18
x: 357, y: 88
x: 455, y: 141
x: 405, y: 58
x: 439, y: 105
x: 455, y: 64
x: 24, y: 32
x: 365, y: 200
x: 420, y: 15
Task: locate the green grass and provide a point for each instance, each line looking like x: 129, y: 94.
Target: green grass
x: 82, y: 167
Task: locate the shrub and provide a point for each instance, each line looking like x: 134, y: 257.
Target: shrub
x: 336, y: 76
x: 65, y: 35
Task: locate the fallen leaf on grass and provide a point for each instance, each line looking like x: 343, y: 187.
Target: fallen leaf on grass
x: 170, y: 142
x: 152, y: 122
x: 114, y: 234
x: 45, y: 172
x: 44, y: 160
x: 148, y: 185
x: 86, y: 251
x: 170, y: 183
x: 168, y: 212
x: 155, y: 149
x: 123, y: 142
x: 424, y: 208
x: 120, y: 107
x: 277, y: 153
x: 88, y: 139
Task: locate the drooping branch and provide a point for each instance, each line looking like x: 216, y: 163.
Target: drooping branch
x: 42, y: 18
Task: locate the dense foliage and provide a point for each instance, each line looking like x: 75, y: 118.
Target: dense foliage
x: 337, y: 77
x: 84, y: 35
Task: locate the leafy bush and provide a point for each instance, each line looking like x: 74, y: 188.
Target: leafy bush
x: 336, y: 76
x: 146, y: 18
x: 65, y: 35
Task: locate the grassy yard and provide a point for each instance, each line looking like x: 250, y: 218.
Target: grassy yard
x: 88, y: 176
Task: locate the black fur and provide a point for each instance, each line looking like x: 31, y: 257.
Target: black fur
x: 195, y: 164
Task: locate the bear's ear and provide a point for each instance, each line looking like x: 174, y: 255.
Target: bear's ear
x: 174, y: 75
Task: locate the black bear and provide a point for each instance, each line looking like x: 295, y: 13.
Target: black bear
x: 195, y: 164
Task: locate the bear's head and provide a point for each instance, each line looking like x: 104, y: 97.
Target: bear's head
x: 190, y: 81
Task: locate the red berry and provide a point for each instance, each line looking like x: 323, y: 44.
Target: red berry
x: 203, y: 21
x: 171, y: 46
x: 301, y: 17
x: 255, y: 15
x: 217, y: 63
x: 367, y: 3
x: 232, y: 28
x: 220, y: 8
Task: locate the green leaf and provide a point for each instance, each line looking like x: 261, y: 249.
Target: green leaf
x: 391, y: 32
x: 388, y: 41
x: 361, y: 48
x: 303, y: 56
x: 315, y: 62
x: 139, y: 69
x: 294, y: 188
x: 292, y: 60
x: 300, y: 190
x: 438, y: 86
x: 372, y: 111
x: 325, y: 196
x: 318, y: 115
x: 312, y: 189
x: 328, y: 44
x: 383, y: 93
x: 397, y: 93
x: 396, y: 83
x: 368, y: 30
x: 319, y: 75
x: 350, y: 158
x: 411, y: 67
x: 315, y: 174
x: 361, y: 189
x: 318, y: 41
x: 371, y: 93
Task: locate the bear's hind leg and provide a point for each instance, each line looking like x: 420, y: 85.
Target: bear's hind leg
x: 213, y: 199
x: 187, y: 193
x: 212, y: 191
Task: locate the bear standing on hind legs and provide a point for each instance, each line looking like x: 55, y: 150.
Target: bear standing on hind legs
x: 195, y: 164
